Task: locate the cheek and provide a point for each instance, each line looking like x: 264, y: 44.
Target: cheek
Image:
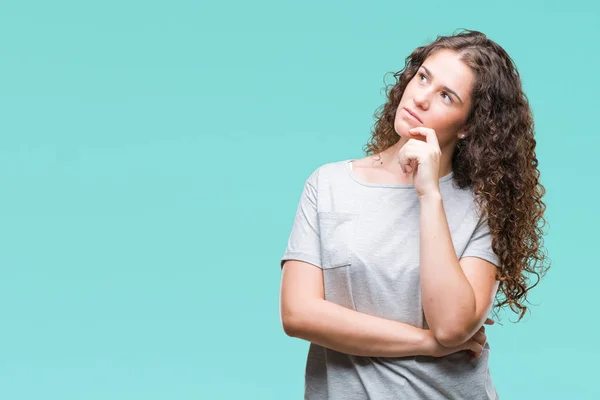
x: 444, y: 120
x: 410, y: 88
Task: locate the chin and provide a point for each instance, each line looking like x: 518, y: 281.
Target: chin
x: 402, y: 132
x: 400, y: 129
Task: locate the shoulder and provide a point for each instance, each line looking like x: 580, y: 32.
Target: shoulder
x: 463, y: 201
x: 464, y: 195
x: 326, y: 172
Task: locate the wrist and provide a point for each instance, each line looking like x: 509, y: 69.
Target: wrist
x: 432, y: 195
x: 429, y: 344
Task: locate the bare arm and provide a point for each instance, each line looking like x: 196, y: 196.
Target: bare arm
x: 456, y: 295
x: 306, y: 315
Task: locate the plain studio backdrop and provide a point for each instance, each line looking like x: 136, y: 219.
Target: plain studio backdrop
x: 152, y: 155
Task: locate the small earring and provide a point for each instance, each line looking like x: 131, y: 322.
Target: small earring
x: 462, y: 136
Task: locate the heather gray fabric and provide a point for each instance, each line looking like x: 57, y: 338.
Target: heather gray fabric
x: 365, y: 238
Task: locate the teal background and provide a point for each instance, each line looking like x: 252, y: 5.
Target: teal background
x: 152, y: 155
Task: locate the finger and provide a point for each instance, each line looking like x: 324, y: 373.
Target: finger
x: 408, y: 159
x: 430, y: 135
x: 480, y: 338
x: 476, y: 348
x: 480, y: 352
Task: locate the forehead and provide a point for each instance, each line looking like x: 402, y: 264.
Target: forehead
x: 449, y: 70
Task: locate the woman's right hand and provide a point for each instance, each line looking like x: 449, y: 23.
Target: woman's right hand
x: 474, y: 345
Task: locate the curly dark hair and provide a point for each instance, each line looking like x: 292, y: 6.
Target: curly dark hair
x: 497, y: 158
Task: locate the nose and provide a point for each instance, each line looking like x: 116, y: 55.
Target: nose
x: 421, y: 99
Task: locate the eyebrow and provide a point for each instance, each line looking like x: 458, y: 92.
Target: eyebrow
x: 446, y: 88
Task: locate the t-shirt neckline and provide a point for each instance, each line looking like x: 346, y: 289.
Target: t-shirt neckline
x: 348, y: 168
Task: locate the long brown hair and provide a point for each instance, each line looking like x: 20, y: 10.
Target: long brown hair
x: 497, y: 158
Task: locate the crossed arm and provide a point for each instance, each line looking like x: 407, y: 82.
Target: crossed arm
x: 306, y: 315
x: 457, y: 296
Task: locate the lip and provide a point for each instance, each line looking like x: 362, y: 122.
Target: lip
x: 412, y: 114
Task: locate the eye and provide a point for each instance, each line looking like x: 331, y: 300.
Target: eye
x: 421, y: 76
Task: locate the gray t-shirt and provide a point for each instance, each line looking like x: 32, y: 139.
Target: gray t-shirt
x: 365, y: 238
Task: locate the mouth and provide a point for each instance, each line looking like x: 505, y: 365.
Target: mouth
x: 412, y: 114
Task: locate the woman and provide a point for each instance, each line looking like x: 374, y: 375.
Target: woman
x: 394, y: 260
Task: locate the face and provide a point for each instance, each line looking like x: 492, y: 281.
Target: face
x: 440, y: 95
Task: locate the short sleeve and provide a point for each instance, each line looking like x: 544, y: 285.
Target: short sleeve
x: 480, y: 243
x: 304, y: 241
